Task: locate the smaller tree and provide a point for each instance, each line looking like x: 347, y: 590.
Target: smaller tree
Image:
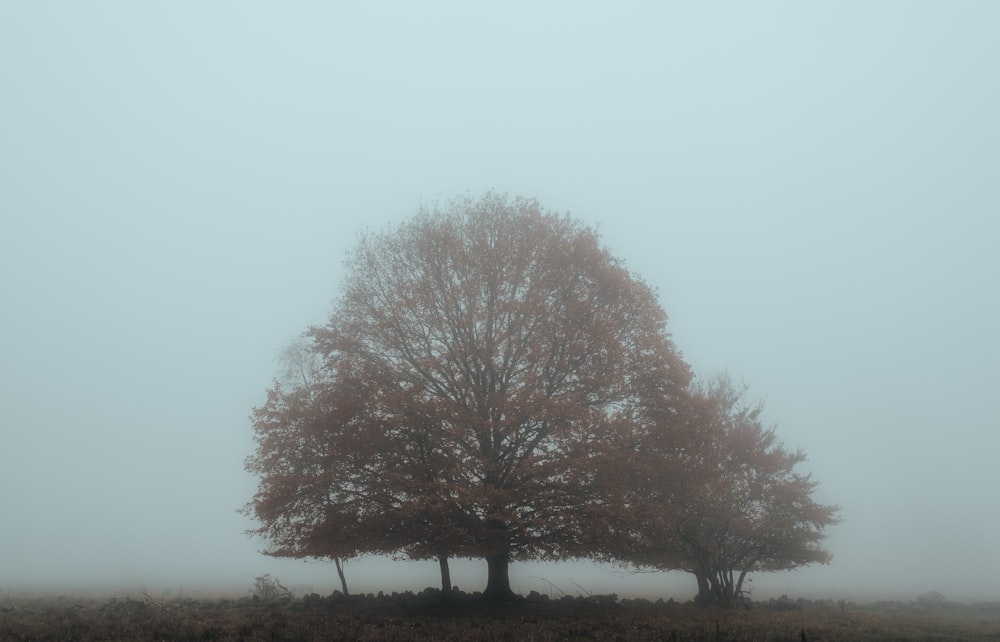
x: 293, y: 438
x: 729, y: 502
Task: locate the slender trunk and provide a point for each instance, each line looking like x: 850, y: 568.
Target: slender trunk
x: 498, y: 581
x: 445, y: 576
x: 717, y: 587
x: 340, y: 572
x: 727, y: 588
x: 739, y: 589
x: 724, y: 589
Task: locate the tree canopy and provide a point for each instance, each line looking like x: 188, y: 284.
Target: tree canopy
x: 492, y: 383
x: 731, y: 501
x: 485, y: 369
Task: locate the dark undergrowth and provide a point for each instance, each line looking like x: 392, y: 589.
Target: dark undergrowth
x: 425, y: 616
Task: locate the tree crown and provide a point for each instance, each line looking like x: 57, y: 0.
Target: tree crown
x: 490, y: 356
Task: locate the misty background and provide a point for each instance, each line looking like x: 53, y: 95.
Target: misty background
x: 812, y: 188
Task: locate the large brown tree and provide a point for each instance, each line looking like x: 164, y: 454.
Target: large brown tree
x: 727, y: 499
x: 488, y: 368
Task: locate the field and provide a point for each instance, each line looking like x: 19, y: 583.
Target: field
x: 423, y: 617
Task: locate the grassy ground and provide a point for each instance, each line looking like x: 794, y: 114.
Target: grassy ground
x: 423, y: 617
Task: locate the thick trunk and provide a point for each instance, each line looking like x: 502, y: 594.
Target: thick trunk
x: 705, y: 596
x: 498, y: 581
x: 340, y: 572
x: 445, y: 575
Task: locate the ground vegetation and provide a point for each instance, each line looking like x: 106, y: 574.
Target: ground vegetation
x: 423, y: 616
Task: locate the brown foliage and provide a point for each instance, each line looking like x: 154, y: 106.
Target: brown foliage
x: 486, y: 371
x: 493, y: 383
x: 729, y: 501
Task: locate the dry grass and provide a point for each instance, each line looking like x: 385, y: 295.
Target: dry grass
x: 422, y: 617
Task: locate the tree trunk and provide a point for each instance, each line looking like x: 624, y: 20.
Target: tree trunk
x: 724, y: 591
x: 727, y: 595
x: 718, y: 588
x: 498, y: 580
x: 340, y: 572
x: 740, y: 597
x: 705, y: 596
x: 445, y: 576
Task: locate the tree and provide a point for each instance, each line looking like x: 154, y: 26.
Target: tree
x: 731, y: 502
x: 486, y: 368
x: 296, y: 398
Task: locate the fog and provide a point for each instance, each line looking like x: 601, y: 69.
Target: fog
x: 812, y: 188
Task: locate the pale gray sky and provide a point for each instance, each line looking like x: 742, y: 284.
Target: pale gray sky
x: 813, y: 188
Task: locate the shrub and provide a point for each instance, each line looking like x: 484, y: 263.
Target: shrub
x: 269, y: 589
